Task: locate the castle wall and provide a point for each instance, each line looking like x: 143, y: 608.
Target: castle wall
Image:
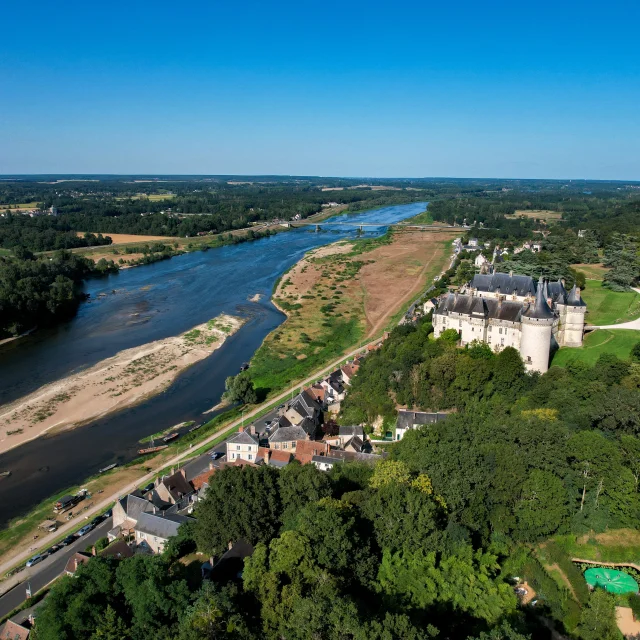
x: 571, y: 325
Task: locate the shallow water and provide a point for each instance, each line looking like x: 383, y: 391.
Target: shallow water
x: 137, y: 306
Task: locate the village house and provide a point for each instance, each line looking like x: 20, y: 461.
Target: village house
x: 408, y: 420
x: 307, y: 449
x: 152, y: 531
x: 274, y: 457
x: 349, y: 371
x: 242, y: 446
x: 430, y: 305
x: 13, y: 631
x: 336, y: 456
x: 75, y: 561
x: 173, y: 488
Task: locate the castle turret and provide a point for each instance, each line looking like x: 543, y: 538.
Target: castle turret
x: 537, y: 325
x: 573, y: 319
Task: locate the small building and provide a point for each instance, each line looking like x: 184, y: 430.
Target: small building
x: 335, y: 456
x: 408, y: 420
x: 274, y: 457
x: 307, y: 449
x: 153, y: 531
x: 242, y: 446
x: 473, y: 242
x: 75, y: 561
x: 349, y: 371
x: 174, y: 488
x: 430, y: 305
x: 347, y: 433
x: 480, y: 260
x: 13, y: 631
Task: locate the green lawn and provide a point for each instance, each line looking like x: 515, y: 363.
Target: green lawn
x: 421, y: 218
x: 5, y: 252
x: 609, y: 307
x: 619, y: 342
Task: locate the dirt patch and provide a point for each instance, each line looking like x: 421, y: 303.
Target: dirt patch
x: 113, y: 384
x: 626, y: 623
x: 616, y: 537
x: 592, y: 271
x: 128, y: 238
x: 396, y: 273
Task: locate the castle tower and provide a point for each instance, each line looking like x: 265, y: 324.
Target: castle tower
x: 574, y: 319
x: 537, y: 325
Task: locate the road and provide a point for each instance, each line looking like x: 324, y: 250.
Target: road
x: 48, y: 570
x: 177, y: 460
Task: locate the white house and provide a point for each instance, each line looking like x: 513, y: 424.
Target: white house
x: 243, y: 446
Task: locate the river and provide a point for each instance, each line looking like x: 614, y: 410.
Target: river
x: 140, y: 305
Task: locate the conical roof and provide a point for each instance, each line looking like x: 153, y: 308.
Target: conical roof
x: 574, y: 298
x: 540, y: 308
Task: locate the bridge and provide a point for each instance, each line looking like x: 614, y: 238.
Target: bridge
x: 362, y: 225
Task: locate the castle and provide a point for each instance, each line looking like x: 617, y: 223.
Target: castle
x: 506, y: 310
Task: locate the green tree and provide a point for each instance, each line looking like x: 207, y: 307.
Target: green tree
x: 598, y: 620
x: 240, y: 389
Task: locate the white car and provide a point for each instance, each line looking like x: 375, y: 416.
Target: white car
x: 35, y: 560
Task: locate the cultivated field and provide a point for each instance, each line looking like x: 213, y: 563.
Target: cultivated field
x: 619, y: 342
x: 606, y: 307
x: 25, y: 206
x: 342, y: 294
x: 128, y: 238
x: 536, y: 214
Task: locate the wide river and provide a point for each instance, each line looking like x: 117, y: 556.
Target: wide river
x: 137, y: 306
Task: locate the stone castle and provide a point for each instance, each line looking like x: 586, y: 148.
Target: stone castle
x: 506, y: 310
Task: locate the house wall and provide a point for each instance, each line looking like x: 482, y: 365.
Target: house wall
x: 247, y: 452
x: 152, y: 542
x: 289, y: 445
x: 119, y: 514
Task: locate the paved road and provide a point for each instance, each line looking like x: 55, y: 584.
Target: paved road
x: 48, y: 570
x: 177, y: 460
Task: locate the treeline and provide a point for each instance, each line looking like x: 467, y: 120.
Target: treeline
x: 41, y: 292
x: 44, y: 233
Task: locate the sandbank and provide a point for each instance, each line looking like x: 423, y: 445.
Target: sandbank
x: 113, y: 384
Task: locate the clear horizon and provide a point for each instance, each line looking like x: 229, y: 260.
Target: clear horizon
x: 362, y: 90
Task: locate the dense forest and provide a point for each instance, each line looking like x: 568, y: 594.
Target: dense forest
x: 421, y: 545
x: 37, y: 292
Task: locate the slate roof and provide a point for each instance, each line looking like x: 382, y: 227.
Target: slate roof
x: 355, y: 443
x: 540, y: 309
x: 243, y: 437
x: 505, y: 284
x: 466, y: 304
x: 160, y: 526
x: 135, y: 506
x: 288, y: 434
x: 354, y: 430
x: 119, y: 549
x: 406, y: 419
x: 177, y: 485
x: 574, y: 299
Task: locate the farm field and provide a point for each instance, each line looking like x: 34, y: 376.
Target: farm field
x: 153, y: 197
x: 128, y: 238
x: 537, y: 214
x: 609, y: 307
x: 342, y: 294
x: 25, y: 206
x: 618, y: 341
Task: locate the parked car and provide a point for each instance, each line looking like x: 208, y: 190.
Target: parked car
x: 35, y: 560
x: 52, y: 528
x: 216, y: 454
x: 68, y: 540
x: 53, y: 549
x: 84, y: 530
x: 96, y: 521
x: 108, y: 514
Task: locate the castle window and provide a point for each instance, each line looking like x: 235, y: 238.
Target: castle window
x: 529, y: 359
x: 489, y: 328
x: 489, y: 340
x: 500, y: 330
x: 460, y: 322
x: 501, y: 340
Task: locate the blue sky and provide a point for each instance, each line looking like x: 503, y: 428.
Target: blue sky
x: 467, y: 89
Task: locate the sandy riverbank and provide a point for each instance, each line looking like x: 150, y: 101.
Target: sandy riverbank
x: 113, y: 384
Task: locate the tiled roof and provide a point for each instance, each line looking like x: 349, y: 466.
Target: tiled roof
x: 311, y: 447
x: 201, y: 479
x: 119, y: 549
x: 177, y: 485
x: 12, y: 631
x: 469, y: 305
x: 75, y: 561
x: 353, y: 430
x: 505, y: 284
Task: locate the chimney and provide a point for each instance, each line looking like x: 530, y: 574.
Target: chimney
x: 511, y: 273
x: 240, y: 429
x: 252, y: 429
x: 94, y: 552
x: 210, y: 465
x: 230, y: 545
x: 173, y: 470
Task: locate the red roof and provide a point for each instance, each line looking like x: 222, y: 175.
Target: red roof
x: 202, y: 478
x: 311, y: 447
x: 13, y: 631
